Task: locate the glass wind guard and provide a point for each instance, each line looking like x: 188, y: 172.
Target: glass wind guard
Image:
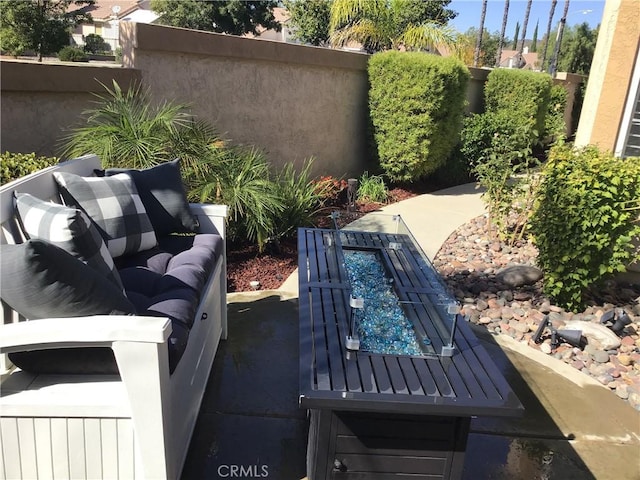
x: 399, y: 304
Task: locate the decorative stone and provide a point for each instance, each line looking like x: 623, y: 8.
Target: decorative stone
x: 520, y: 327
x: 625, y: 360
x: 545, y: 307
x: 505, y: 296
x: 627, y: 341
x: 622, y: 391
x: 634, y: 400
x: 604, y: 336
x: 601, y: 356
x: 482, y: 305
x: 521, y: 296
x: 566, y: 355
x: 577, y: 364
x: 519, y: 275
x: 506, y: 313
x: 545, y: 348
x: 605, y: 379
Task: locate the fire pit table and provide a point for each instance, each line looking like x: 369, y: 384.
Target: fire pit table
x: 389, y: 369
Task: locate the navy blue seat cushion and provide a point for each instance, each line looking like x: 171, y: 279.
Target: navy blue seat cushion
x: 167, y: 281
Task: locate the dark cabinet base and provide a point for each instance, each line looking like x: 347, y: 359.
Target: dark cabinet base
x: 374, y: 446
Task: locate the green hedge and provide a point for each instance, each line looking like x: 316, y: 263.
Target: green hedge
x: 16, y: 165
x: 416, y: 104
x: 587, y: 214
x: 524, y: 94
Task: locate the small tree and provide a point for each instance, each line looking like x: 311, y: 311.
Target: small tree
x: 514, y: 44
x: 499, y: 145
x: 310, y: 20
x: 235, y: 17
x: 534, y: 40
x: 38, y: 25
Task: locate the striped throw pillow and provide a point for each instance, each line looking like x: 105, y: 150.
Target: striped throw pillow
x: 67, y: 228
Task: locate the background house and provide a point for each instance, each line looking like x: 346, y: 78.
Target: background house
x: 512, y: 59
x: 107, y: 15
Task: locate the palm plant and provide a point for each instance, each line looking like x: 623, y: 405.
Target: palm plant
x: 505, y: 17
x: 301, y: 197
x: 239, y: 177
x: 476, y: 53
x: 125, y: 131
x: 546, y: 38
x: 524, y: 26
x: 381, y: 25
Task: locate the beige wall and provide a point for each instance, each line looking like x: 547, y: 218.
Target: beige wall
x: 611, y: 73
x: 293, y: 101
x: 40, y: 102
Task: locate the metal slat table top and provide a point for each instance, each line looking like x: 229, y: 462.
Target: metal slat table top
x: 465, y: 384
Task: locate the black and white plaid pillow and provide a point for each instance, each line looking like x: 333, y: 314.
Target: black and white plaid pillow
x: 67, y: 228
x: 114, y: 205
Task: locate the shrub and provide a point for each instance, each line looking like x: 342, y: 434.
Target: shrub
x: 329, y: 189
x: 416, y: 104
x: 371, y: 188
x: 523, y: 94
x: 585, y: 218
x: 16, y: 165
x: 554, y: 124
x: 72, y: 54
x: 499, y: 149
x: 94, y: 43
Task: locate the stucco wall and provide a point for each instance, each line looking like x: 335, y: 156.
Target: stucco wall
x: 610, y: 76
x: 293, y: 101
x: 40, y: 101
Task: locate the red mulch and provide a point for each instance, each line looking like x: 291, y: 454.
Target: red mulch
x: 271, y: 269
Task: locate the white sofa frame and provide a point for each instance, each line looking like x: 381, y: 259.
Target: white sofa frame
x: 136, y: 425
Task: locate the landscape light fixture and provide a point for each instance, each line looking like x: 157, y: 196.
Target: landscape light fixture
x: 572, y: 337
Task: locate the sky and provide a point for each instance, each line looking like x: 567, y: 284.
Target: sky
x: 580, y: 11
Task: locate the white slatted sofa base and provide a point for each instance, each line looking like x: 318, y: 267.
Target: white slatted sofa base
x: 138, y: 425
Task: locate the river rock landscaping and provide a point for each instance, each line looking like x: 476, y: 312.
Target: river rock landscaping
x: 500, y: 288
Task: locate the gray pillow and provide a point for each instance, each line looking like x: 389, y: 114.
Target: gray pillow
x: 67, y: 228
x: 114, y: 206
x: 40, y: 280
x: 163, y: 195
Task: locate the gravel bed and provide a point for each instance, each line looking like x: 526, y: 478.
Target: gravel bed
x: 477, y: 269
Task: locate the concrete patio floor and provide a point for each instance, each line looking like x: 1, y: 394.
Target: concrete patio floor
x: 250, y: 425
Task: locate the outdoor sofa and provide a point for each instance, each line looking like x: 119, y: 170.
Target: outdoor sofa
x: 114, y: 340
